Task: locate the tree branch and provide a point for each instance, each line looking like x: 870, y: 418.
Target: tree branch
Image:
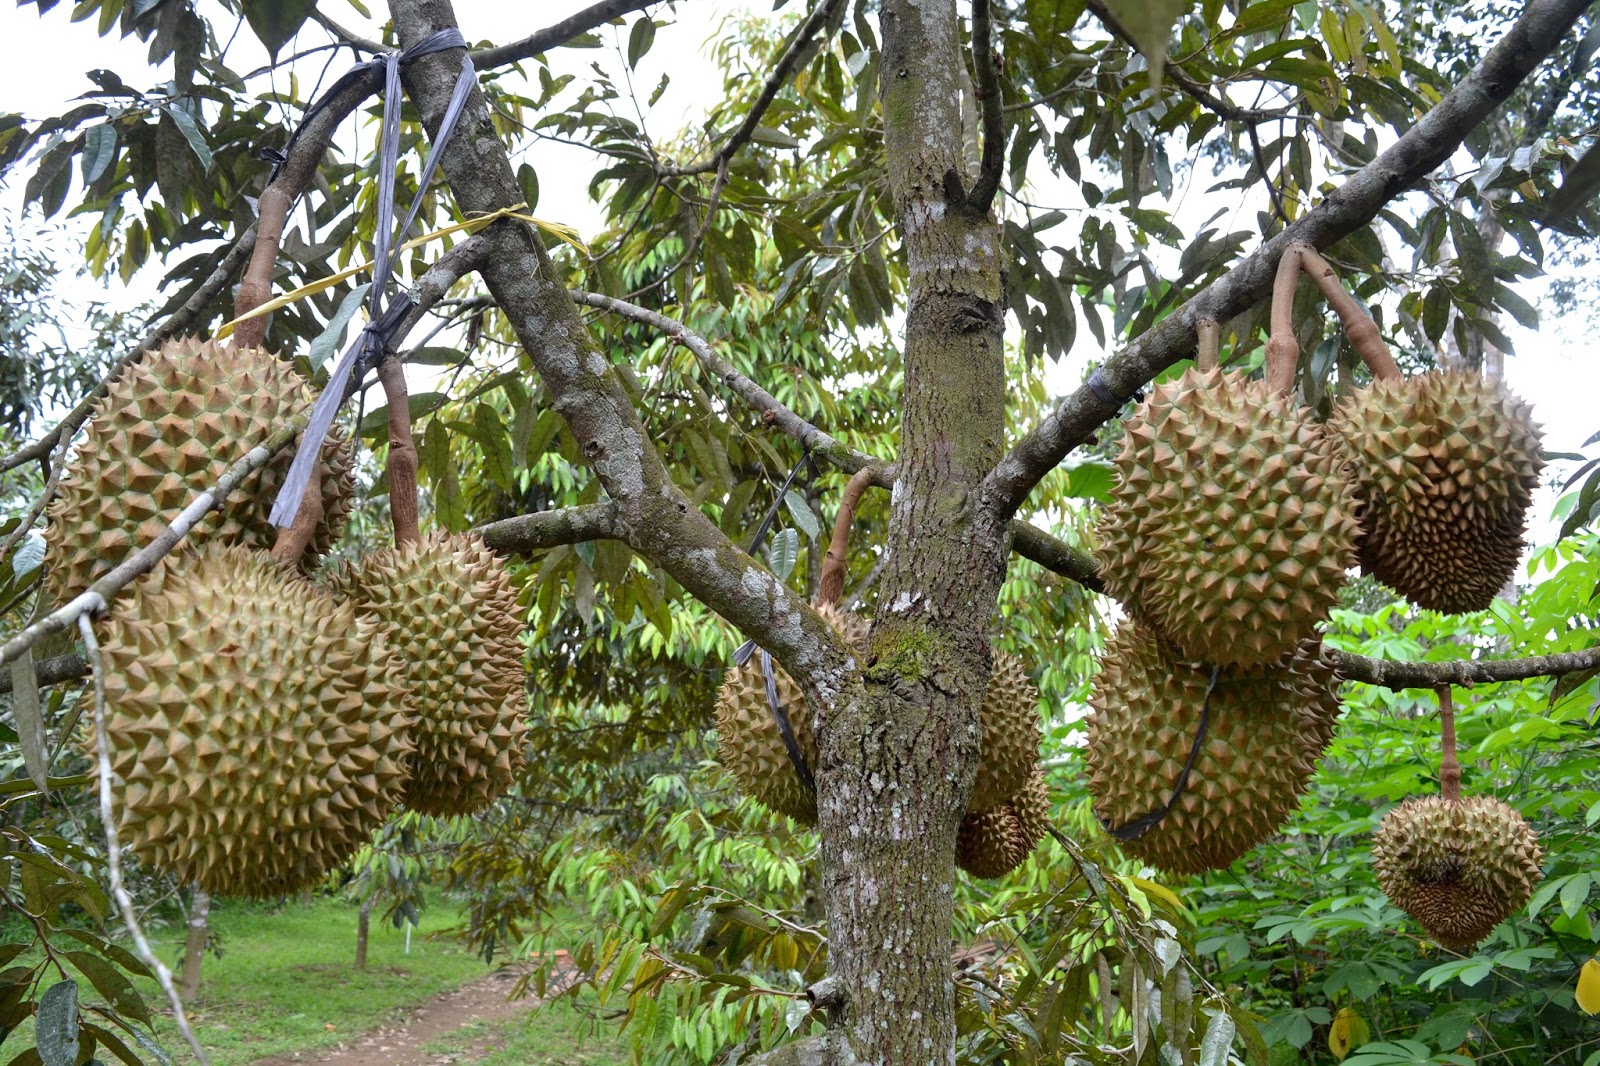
x: 986, y: 82
x: 589, y: 18
x: 1536, y: 32
x: 652, y: 514
x: 51, y: 671
x: 799, y: 48
x: 528, y: 533
x: 773, y: 412
x: 1056, y: 555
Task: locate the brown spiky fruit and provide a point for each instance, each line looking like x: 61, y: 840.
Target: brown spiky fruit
x: 1009, y: 751
x: 1446, y: 464
x: 1232, y: 521
x: 1459, y: 868
x: 257, y: 727
x: 449, y: 611
x: 1266, y: 728
x: 750, y: 746
x: 168, y: 427
x: 994, y: 842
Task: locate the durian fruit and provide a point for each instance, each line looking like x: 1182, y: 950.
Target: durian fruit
x: 1232, y: 522
x: 449, y: 611
x: 257, y: 727
x: 1446, y: 465
x: 994, y: 842
x: 1458, y: 867
x: 1009, y: 718
x: 750, y: 746
x: 169, y: 425
x: 1266, y: 728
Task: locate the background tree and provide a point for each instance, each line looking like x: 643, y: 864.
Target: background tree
x: 874, y: 179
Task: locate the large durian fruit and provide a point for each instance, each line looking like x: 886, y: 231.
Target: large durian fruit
x: 449, y: 611
x: 753, y: 750
x: 168, y: 426
x: 1446, y: 464
x: 992, y: 843
x: 257, y: 727
x: 1459, y: 867
x: 1266, y: 728
x: 748, y: 741
x: 1232, y: 521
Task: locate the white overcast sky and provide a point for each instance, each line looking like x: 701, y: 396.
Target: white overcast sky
x: 47, y: 59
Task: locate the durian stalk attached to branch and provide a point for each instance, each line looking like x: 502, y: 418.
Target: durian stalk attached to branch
x: 1209, y: 346
x: 831, y: 589
x: 402, y: 453
x: 1449, y: 768
x: 1359, y: 327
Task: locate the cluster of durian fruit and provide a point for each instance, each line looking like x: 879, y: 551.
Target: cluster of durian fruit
x: 1009, y: 810
x: 1235, y: 521
x: 264, y: 719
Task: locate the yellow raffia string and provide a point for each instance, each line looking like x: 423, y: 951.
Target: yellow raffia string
x: 555, y: 229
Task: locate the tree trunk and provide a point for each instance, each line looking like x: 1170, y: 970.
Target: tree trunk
x: 897, y: 767
x: 363, y: 925
x: 195, y: 941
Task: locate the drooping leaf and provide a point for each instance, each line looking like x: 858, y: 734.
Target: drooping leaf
x: 1149, y: 23
x: 27, y: 712
x: 276, y: 22
x: 1587, y: 993
x: 57, y: 1024
x: 1348, y: 1031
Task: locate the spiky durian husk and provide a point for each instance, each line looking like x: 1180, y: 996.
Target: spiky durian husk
x: 748, y: 740
x: 257, y: 726
x: 450, y: 613
x: 1010, y: 746
x: 1446, y: 464
x: 1459, y: 868
x: 1232, y: 521
x: 1267, y: 727
x: 994, y: 842
x: 169, y: 425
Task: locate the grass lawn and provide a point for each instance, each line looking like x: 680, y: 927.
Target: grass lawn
x: 557, y: 1035
x: 286, y: 980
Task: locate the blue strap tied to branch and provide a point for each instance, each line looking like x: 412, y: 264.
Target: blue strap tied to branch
x: 384, y: 317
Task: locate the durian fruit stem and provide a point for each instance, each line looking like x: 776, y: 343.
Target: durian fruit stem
x: 1283, y: 350
x: 1210, y: 344
x: 108, y: 819
x: 1358, y: 325
x: 402, y: 453
x: 1449, y: 768
x: 831, y: 589
x: 291, y: 545
x: 256, y: 287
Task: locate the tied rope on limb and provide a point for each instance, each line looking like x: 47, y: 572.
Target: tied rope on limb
x: 384, y: 314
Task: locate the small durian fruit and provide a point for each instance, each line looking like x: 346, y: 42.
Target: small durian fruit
x: 1009, y: 718
x: 994, y: 842
x: 1459, y: 867
x: 748, y: 741
x: 168, y: 426
x: 1446, y: 465
x: 1232, y: 522
x: 257, y: 727
x: 449, y: 611
x: 1266, y: 727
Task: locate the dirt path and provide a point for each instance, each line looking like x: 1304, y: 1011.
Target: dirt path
x: 401, y: 1042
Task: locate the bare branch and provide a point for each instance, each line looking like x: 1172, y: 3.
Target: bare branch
x: 1536, y: 32
x: 799, y: 48
x: 772, y: 411
x: 555, y: 36
x: 528, y: 533
x: 1056, y: 555
x: 51, y: 671
x: 986, y: 81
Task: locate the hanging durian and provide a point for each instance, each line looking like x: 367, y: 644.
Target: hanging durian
x: 1232, y: 522
x: 257, y: 727
x: 1446, y: 465
x: 169, y: 425
x: 1458, y: 866
x: 994, y: 842
x: 449, y: 611
x: 1264, y: 729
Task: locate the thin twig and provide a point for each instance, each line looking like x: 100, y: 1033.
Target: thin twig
x: 55, y: 466
x: 986, y: 81
x: 1261, y: 166
x: 108, y: 818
